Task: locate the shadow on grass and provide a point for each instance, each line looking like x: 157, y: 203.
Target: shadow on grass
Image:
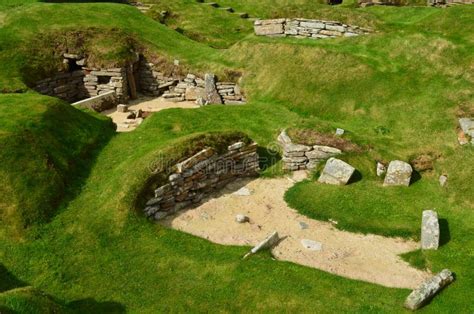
x: 8, y: 281
x: 445, y: 235
x: 89, y: 305
x: 356, y: 177
x: 415, y: 177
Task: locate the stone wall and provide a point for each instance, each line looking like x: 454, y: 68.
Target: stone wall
x: 99, y: 81
x: 201, y: 174
x: 177, y: 88
x: 301, y: 157
x: 80, y: 82
x: 68, y: 86
x: 304, y: 28
x: 98, y: 103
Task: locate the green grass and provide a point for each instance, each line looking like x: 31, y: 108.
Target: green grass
x: 397, y: 92
x: 44, y: 143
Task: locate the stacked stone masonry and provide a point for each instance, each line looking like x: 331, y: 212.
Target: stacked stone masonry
x: 304, y: 28
x: 175, y: 88
x: 83, y: 82
x: 301, y: 157
x: 201, y: 174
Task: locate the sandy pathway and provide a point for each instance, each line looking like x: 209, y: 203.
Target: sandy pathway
x: 364, y: 257
x: 150, y: 104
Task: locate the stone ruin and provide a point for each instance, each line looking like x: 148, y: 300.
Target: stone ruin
x: 430, y: 231
x: 305, y: 28
x: 81, y: 82
x: 175, y: 88
x: 303, y: 157
x: 201, y: 174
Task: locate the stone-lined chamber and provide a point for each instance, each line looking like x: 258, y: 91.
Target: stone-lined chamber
x: 197, y: 176
x: 306, y: 28
x: 80, y: 82
x: 176, y: 88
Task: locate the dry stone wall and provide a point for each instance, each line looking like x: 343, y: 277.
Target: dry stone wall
x: 82, y: 82
x: 68, y: 86
x: 301, y: 157
x: 176, y: 88
x: 201, y: 174
x: 305, y: 28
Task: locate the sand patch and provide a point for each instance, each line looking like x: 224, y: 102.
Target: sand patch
x: 146, y: 104
x: 369, y: 258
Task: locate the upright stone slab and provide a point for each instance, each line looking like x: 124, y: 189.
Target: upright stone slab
x: 430, y: 230
x: 428, y: 289
x: 336, y: 172
x: 398, y: 174
x: 212, y: 96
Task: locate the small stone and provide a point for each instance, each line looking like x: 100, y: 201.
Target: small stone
x: 303, y: 225
x: 340, y: 132
x: 311, y: 245
x: 443, y: 179
x: 160, y: 215
x: 236, y: 146
x: 428, y: 289
x: 176, y: 62
x: 320, y: 152
x: 336, y: 172
x: 201, y: 102
x: 244, y: 191
x: 122, y: 108
x: 430, y: 230
x: 240, y: 218
x: 381, y: 169
x: 398, y: 174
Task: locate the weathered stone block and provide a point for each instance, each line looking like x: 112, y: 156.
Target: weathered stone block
x: 320, y: 152
x: 398, y: 174
x: 212, y: 96
x: 428, y: 289
x: 269, y: 29
x: 430, y: 230
x: 336, y: 172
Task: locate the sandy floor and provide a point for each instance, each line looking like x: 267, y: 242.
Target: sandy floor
x: 364, y: 257
x: 145, y: 104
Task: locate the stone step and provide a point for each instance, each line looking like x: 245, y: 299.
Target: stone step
x: 212, y: 4
x: 243, y: 15
x: 228, y: 9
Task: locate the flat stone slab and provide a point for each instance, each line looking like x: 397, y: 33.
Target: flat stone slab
x: 312, y: 245
x: 430, y: 230
x: 428, y: 289
x: 398, y: 174
x: 243, y: 192
x: 336, y: 172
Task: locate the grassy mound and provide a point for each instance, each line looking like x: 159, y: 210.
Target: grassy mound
x: 396, y: 92
x: 45, y: 145
x: 29, y: 300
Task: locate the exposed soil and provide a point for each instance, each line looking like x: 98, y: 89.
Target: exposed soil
x: 312, y: 137
x: 148, y: 105
x: 369, y: 258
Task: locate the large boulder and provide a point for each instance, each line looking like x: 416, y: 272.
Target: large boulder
x: 336, y: 172
x: 428, y: 289
x: 429, y: 230
x: 398, y: 174
x: 212, y: 96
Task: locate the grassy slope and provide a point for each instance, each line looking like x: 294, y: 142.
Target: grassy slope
x: 44, y: 143
x: 413, y: 70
